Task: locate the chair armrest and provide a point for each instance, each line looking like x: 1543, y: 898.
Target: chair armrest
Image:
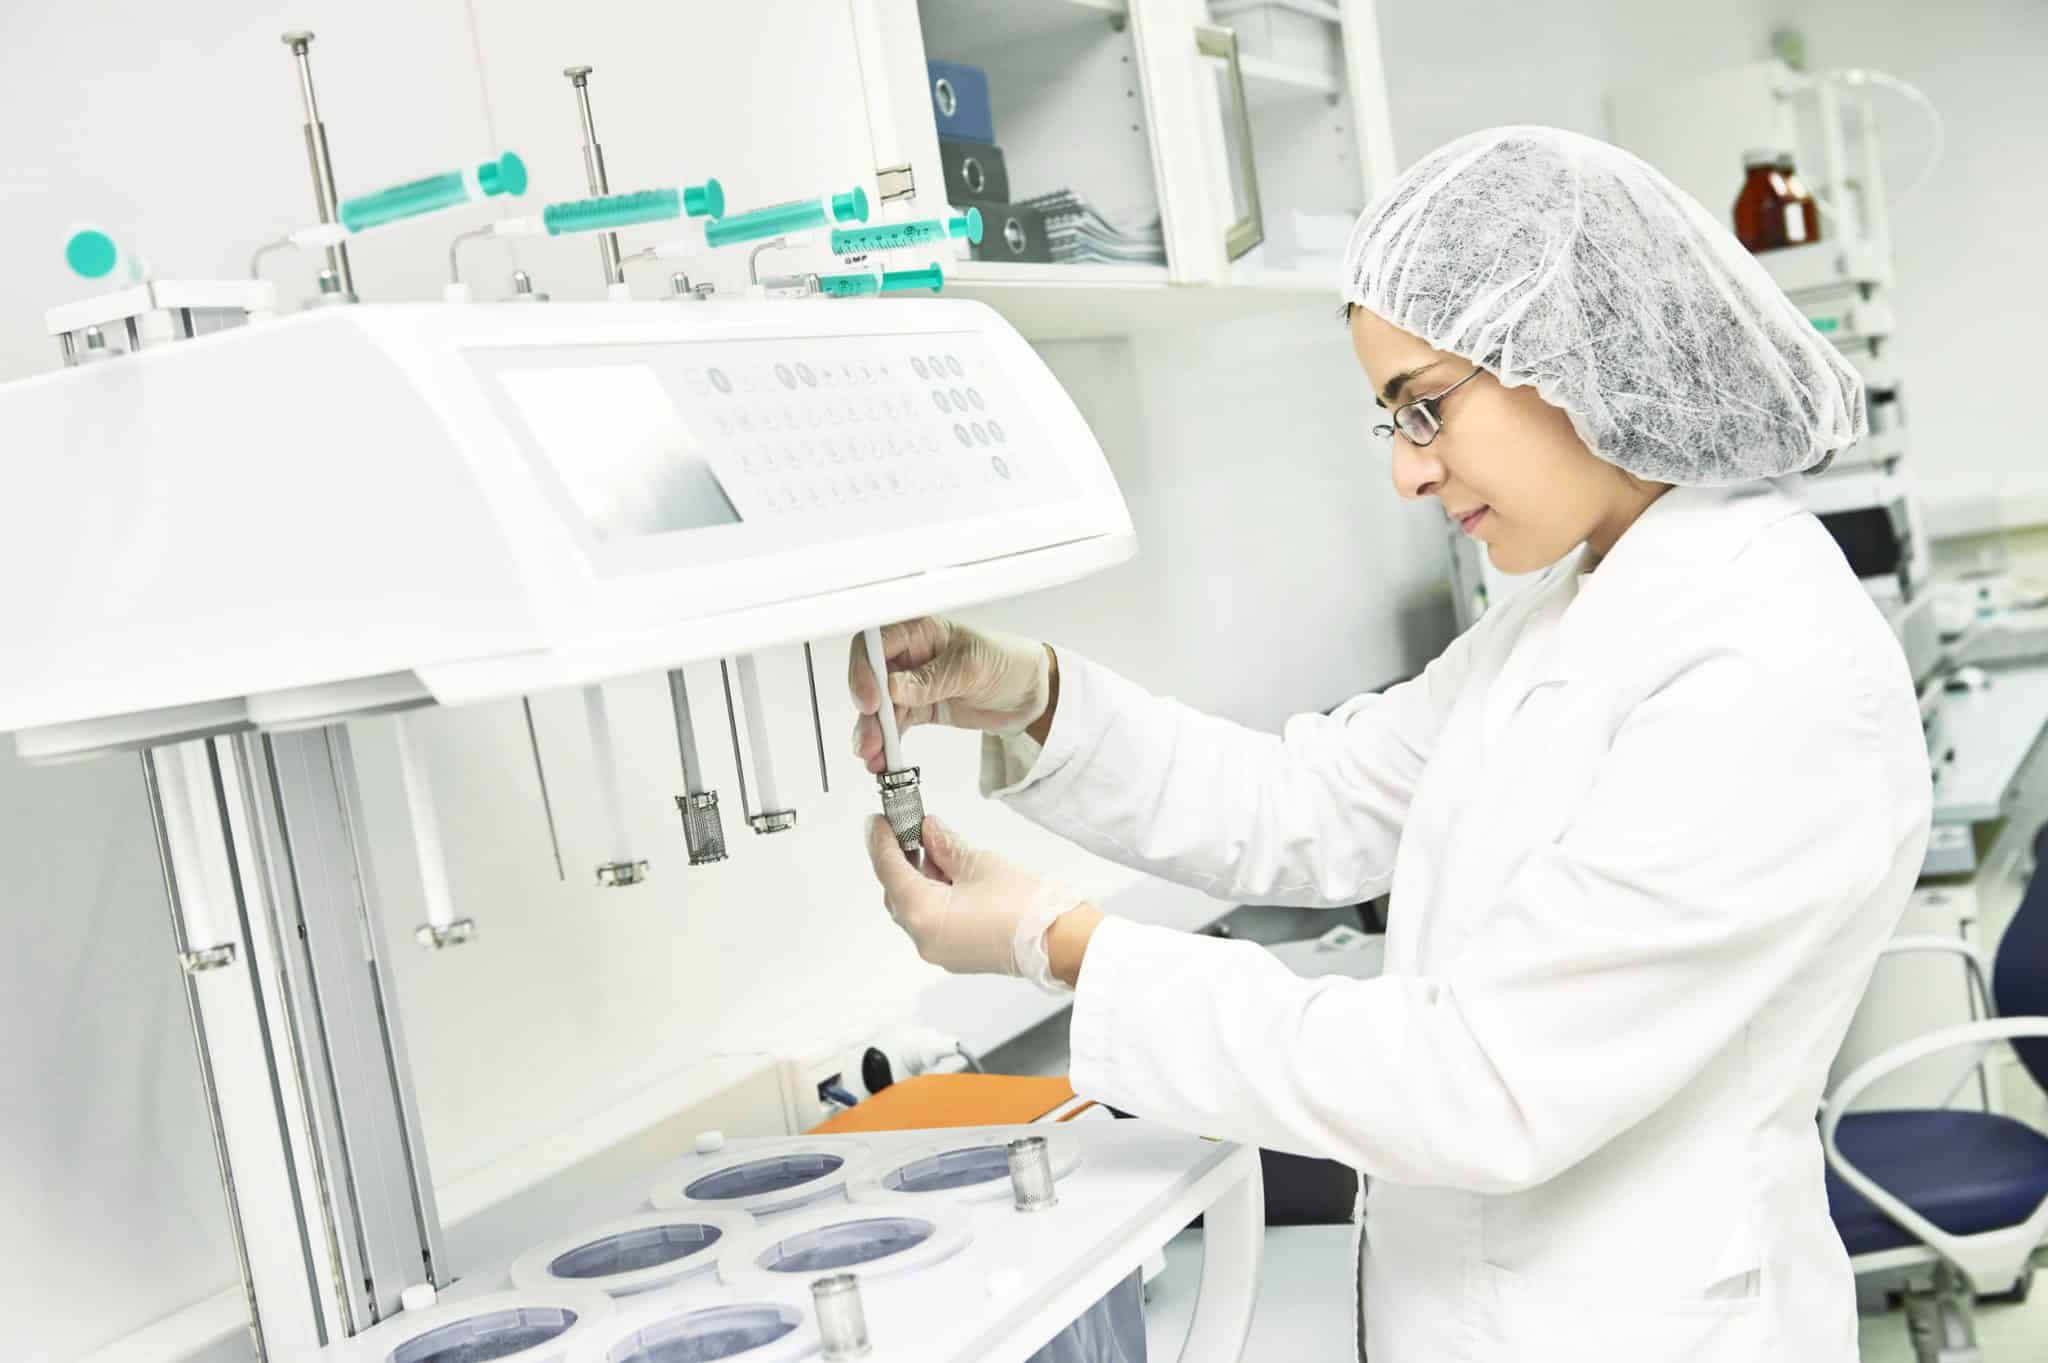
x: 1992, y: 1260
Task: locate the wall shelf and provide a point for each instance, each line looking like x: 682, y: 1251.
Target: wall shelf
x: 1082, y: 302
x: 957, y: 26
x: 1267, y: 81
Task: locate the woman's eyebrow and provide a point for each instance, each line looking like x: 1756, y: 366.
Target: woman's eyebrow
x: 1400, y: 381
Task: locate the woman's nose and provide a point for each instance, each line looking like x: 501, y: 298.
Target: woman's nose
x: 1417, y: 472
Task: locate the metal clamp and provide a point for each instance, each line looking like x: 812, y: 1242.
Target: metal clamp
x: 703, y: 830
x: 773, y: 821
x: 435, y: 937
x: 895, y: 184
x: 1213, y: 40
x: 208, y: 958
x: 618, y: 874
x: 903, y: 806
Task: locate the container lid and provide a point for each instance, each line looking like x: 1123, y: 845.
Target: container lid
x: 1766, y: 156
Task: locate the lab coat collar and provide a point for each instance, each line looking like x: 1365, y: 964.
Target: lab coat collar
x: 1675, y: 548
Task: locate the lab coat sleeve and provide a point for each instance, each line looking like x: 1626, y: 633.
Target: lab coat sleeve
x: 1734, y: 825
x: 1310, y: 816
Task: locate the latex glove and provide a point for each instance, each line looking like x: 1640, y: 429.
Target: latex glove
x: 944, y: 672
x: 969, y: 911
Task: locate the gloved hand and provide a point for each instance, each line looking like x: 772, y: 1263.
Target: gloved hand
x: 944, y: 672
x: 969, y: 911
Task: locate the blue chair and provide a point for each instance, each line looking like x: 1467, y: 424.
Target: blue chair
x: 1962, y: 1192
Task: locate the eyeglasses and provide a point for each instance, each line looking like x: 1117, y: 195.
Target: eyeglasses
x: 1419, y: 420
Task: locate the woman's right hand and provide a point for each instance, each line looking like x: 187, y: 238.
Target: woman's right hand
x: 944, y: 672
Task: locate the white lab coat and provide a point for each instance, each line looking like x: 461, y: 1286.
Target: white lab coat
x: 1645, y: 829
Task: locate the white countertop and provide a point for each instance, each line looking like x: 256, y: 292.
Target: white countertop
x: 1991, y: 731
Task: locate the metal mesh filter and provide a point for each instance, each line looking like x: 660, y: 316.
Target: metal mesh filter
x: 711, y: 1334
x: 635, y: 1250
x: 703, y: 830
x: 479, y: 1339
x: 903, y: 806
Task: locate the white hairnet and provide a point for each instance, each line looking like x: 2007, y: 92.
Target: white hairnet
x: 1557, y: 260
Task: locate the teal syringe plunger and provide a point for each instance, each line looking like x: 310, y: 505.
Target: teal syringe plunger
x: 890, y: 236
x: 502, y: 175
x: 763, y: 224
x: 93, y: 254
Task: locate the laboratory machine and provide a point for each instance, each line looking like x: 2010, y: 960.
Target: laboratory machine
x: 281, y: 523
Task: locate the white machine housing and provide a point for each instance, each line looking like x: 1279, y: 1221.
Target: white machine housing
x: 372, y: 507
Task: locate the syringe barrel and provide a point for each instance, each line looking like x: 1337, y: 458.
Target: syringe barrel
x: 614, y: 210
x: 889, y: 236
x: 857, y: 284
x: 902, y: 281
x: 505, y: 175
x: 779, y: 220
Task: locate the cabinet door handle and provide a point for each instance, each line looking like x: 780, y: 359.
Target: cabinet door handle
x: 1212, y: 40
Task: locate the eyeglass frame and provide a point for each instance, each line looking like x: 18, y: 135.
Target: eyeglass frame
x: 1387, y: 429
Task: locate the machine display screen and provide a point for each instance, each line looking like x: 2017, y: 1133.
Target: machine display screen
x: 621, y: 447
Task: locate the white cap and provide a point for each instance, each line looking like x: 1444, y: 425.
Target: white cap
x: 1766, y: 156
x: 455, y: 293
x: 418, y: 1297
x: 710, y: 1142
x: 620, y: 292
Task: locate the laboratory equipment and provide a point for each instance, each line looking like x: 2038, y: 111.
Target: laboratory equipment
x: 595, y: 175
x: 602, y: 214
x: 1774, y: 209
x: 442, y: 927
x: 761, y: 224
x: 93, y: 254
x: 902, y: 793
x: 703, y: 830
x: 338, y: 280
x: 892, y: 236
x: 842, y: 1324
x: 621, y: 867
x: 558, y: 496
x: 519, y: 1326
x: 763, y: 1325
x: 879, y: 1237
x: 644, y: 1252
x: 773, y: 815
x: 853, y: 283
x: 505, y: 174
x: 761, y: 1178
x: 1031, y: 1178
x: 972, y: 1168
x: 974, y: 171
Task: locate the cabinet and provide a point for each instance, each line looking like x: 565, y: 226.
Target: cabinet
x: 1183, y: 158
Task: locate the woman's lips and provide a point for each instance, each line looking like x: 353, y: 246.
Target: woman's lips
x: 1470, y: 520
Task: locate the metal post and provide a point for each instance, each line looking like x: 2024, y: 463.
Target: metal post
x: 317, y: 1128
x: 324, y: 197
x: 593, y: 171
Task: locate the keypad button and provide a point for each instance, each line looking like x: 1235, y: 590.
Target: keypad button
x: 980, y: 433
x: 940, y: 401
x: 720, y: 381
x: 995, y: 429
x: 960, y: 434
x: 938, y: 366
x: 785, y: 375
x: 974, y: 400
x: 918, y: 367
x: 803, y: 372
x: 1002, y: 469
x: 953, y: 363
x: 959, y: 399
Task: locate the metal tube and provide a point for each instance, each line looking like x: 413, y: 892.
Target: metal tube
x: 1031, y: 1174
x: 842, y: 1324
x: 817, y: 721
x: 540, y: 774
x: 209, y: 1086
x: 686, y: 734
x: 324, y: 197
x: 620, y: 867
x: 594, y: 173
x: 732, y: 722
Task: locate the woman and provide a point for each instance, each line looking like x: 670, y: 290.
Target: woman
x: 1645, y: 826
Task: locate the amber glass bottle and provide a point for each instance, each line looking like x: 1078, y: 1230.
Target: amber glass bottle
x: 1774, y: 209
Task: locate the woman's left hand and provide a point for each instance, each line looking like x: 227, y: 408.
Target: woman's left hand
x: 969, y: 911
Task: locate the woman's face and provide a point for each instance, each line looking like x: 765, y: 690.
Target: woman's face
x: 1506, y: 465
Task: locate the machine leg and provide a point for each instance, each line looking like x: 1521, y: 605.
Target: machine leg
x: 1233, y: 1246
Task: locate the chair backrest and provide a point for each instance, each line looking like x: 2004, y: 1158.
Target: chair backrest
x: 2019, y: 977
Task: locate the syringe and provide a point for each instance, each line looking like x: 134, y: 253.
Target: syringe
x: 616, y: 210
x: 93, y: 254
x: 504, y: 175
x: 902, y: 797
x: 891, y: 236
x: 853, y: 284
x: 760, y: 224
